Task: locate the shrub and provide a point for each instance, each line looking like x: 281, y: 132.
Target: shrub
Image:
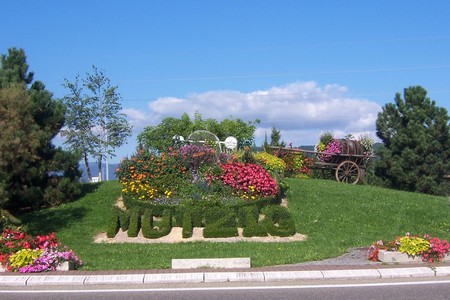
x: 147, y: 223
x: 250, y: 222
x: 187, y: 225
x: 246, y: 214
x: 220, y: 222
x: 113, y: 224
x: 325, y: 138
x: 254, y: 230
x: 7, y: 220
x: 135, y: 222
x: 278, y: 221
x: 149, y: 229
x: 124, y: 219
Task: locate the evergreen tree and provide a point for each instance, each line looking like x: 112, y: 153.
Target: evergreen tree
x: 32, y: 171
x: 14, y: 68
x: 275, y: 138
x: 415, y: 155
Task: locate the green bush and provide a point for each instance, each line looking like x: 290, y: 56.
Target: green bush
x: 7, y: 220
x: 256, y: 230
x: 147, y: 223
x: 187, y: 225
x: 196, y: 213
x: 245, y: 213
x: 113, y: 224
x: 252, y: 226
x: 124, y: 219
x: 135, y: 222
x: 219, y: 227
x: 218, y: 232
x: 148, y: 227
x: 278, y: 221
x: 157, y: 208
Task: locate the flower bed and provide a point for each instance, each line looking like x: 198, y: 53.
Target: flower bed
x: 193, y: 186
x: 399, y: 257
x: 20, y: 252
x: 410, y: 249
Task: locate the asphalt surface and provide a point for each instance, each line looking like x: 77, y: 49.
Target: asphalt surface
x: 352, y: 265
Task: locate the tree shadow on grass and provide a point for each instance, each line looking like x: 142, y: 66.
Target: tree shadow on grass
x: 88, y: 188
x: 51, y: 220
x: 48, y: 220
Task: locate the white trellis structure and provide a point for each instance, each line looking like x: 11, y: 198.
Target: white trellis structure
x: 203, y: 137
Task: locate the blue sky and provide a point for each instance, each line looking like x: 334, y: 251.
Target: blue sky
x: 302, y: 66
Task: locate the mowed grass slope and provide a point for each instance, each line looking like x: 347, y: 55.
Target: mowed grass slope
x: 335, y: 217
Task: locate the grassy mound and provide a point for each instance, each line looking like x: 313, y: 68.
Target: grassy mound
x: 335, y: 217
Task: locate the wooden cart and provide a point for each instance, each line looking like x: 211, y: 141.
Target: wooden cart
x: 348, y: 166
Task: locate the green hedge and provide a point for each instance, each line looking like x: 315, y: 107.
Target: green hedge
x: 124, y: 219
x: 278, y: 221
x: 113, y: 223
x: 220, y: 223
x: 188, y: 229
x: 158, y: 209
x: 135, y: 222
x: 148, y: 227
x: 218, y: 220
x: 251, y: 224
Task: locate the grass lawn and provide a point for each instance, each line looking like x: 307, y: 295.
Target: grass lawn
x: 335, y: 217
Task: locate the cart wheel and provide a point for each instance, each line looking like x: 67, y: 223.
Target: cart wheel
x: 348, y: 172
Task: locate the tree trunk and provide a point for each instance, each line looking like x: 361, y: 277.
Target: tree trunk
x: 88, y: 170
x: 99, y: 166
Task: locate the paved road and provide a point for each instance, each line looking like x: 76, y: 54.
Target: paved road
x: 399, y: 290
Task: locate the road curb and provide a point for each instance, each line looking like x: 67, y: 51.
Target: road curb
x: 225, y: 276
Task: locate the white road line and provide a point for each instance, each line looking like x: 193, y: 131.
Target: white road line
x: 321, y: 286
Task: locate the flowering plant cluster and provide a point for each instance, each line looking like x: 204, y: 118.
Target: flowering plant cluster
x: 193, y: 172
x: 250, y: 181
x: 431, y: 249
x: 367, y: 144
x: 148, y: 176
x: 195, y: 156
x: 296, y: 162
x: 26, y: 254
x: 270, y: 162
x: 328, y: 145
x: 333, y: 147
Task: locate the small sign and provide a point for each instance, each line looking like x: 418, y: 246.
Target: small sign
x: 230, y: 142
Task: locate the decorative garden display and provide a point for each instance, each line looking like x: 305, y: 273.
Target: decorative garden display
x: 410, y: 248
x: 346, y: 158
x: 20, y: 252
x: 195, y: 184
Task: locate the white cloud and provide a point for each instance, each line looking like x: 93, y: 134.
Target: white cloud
x: 301, y: 110
x: 137, y: 118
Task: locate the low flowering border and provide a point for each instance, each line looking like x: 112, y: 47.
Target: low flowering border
x: 429, y: 249
x: 22, y: 253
